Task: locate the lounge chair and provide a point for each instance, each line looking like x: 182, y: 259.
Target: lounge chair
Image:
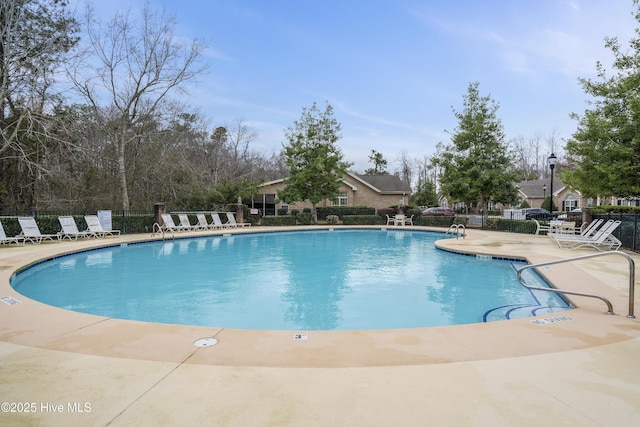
x: 171, y: 226
x: 218, y: 222
x: 203, y: 224
x: 31, y: 231
x: 601, y: 239
x: 591, y: 228
x: 4, y: 240
x: 70, y: 229
x: 232, y: 221
x: 94, y: 226
x: 184, y: 222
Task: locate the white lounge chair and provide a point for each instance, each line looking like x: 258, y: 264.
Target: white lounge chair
x: 232, y: 221
x: 591, y: 228
x: 218, y: 222
x: 94, y: 226
x: 601, y: 239
x: 70, y: 229
x: 4, y: 240
x: 171, y: 226
x: 185, y: 223
x: 31, y: 231
x: 203, y: 224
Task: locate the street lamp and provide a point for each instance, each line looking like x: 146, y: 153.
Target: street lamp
x: 552, y: 160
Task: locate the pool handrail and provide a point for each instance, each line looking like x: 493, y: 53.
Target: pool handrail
x: 632, y: 279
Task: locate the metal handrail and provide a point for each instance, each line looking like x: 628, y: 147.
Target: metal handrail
x: 456, y: 228
x: 632, y: 279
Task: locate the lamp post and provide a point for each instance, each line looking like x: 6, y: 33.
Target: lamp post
x: 544, y: 192
x: 552, y: 160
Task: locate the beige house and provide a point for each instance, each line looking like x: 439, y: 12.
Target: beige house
x: 374, y: 191
x: 564, y: 198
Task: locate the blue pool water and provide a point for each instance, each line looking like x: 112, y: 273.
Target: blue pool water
x: 306, y: 280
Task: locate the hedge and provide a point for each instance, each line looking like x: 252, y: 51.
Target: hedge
x: 279, y: 220
x: 362, y: 220
x: 341, y: 211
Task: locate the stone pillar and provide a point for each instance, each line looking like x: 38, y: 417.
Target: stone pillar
x: 239, y: 212
x: 158, y: 210
x: 586, y: 215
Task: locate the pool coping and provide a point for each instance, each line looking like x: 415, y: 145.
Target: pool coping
x: 38, y: 325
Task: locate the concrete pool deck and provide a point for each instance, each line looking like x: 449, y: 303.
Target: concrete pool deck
x: 575, y: 368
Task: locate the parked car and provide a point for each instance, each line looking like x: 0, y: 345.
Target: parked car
x: 538, y: 213
x: 577, y: 212
x: 438, y: 212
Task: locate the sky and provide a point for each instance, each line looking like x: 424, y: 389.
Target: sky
x: 394, y: 71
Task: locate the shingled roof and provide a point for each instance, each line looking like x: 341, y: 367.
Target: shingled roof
x: 535, y: 188
x: 389, y: 184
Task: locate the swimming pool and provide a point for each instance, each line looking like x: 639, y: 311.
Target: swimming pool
x: 303, y: 280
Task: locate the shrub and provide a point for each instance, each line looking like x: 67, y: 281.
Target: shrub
x: 341, y: 211
x: 332, y: 219
x: 279, y: 220
x: 362, y: 220
x: 440, y: 221
x: 304, y: 218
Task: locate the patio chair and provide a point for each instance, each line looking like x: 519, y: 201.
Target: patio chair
x: 184, y: 222
x: 408, y: 220
x: 601, y: 239
x: 171, y: 226
x: 4, y: 240
x: 218, y: 222
x: 565, y: 227
x: 70, y: 229
x: 31, y: 231
x: 541, y: 228
x: 94, y: 226
x: 390, y: 221
x: 232, y: 221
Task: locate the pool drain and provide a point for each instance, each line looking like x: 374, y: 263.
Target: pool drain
x: 205, y: 342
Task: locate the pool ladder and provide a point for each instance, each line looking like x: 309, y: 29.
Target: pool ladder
x: 157, y: 229
x: 455, y: 228
x: 632, y: 279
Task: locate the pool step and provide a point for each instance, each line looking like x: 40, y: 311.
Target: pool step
x: 518, y: 312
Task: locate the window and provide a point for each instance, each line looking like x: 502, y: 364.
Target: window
x: 341, y: 200
x: 570, y: 203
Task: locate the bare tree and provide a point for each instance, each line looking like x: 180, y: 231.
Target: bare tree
x: 405, y: 167
x: 129, y: 73
x: 35, y: 38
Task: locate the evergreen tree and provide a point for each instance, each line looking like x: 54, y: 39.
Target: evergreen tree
x: 315, y: 162
x: 379, y: 164
x: 425, y: 194
x: 477, y: 167
x: 606, y: 147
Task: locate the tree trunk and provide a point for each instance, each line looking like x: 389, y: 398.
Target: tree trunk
x: 123, y: 175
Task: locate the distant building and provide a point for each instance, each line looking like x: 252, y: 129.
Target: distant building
x: 374, y: 191
x: 564, y: 198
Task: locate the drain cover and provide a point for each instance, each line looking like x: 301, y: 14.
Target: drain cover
x: 205, y: 342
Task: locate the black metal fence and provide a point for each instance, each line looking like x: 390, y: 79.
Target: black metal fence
x: 128, y: 222
x: 628, y: 231
x: 132, y: 222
